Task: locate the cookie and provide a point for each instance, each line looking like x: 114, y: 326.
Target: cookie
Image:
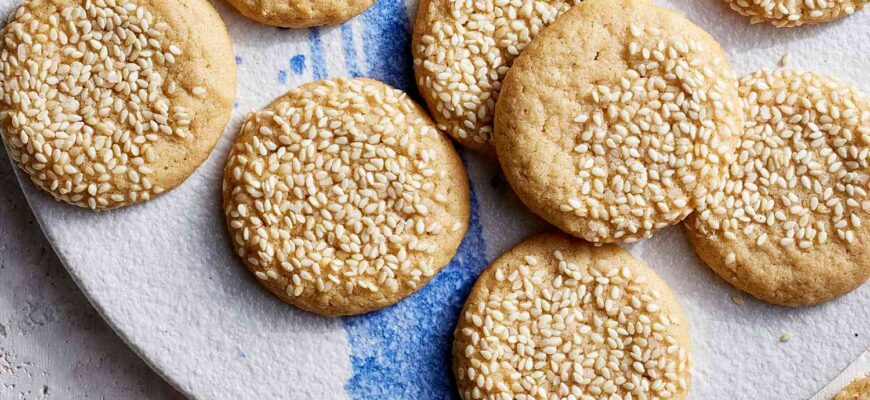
x: 300, y: 13
x: 790, y: 223
x: 106, y: 104
x: 858, y: 390
x: 342, y: 197
x: 791, y: 13
x: 557, y: 317
x: 616, y: 119
x: 462, y: 51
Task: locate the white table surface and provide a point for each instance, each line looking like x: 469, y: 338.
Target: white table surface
x: 53, y: 344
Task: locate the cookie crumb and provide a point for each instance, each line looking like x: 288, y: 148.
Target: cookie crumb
x: 785, y: 60
x: 786, y: 336
x: 737, y: 299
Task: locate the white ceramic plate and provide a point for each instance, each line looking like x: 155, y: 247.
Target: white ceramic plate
x: 163, y: 276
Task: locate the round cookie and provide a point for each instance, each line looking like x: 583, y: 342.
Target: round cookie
x: 790, y: 223
x: 616, y: 119
x: 300, y: 13
x: 557, y: 317
x: 791, y: 13
x: 857, y: 390
x: 462, y: 51
x: 342, y: 197
x: 110, y: 103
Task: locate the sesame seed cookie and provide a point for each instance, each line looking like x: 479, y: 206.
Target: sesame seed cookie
x: 462, y: 51
x: 616, y: 119
x: 790, y: 225
x: 106, y: 103
x: 791, y: 13
x: 857, y: 390
x: 342, y: 197
x: 557, y: 317
x: 300, y: 13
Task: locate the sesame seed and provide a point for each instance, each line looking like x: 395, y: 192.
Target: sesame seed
x: 737, y: 299
x: 785, y: 337
x: 785, y: 60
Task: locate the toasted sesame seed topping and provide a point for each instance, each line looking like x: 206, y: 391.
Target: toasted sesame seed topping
x: 333, y: 189
x: 649, y: 146
x: 737, y: 299
x: 85, y: 102
x: 790, y: 13
x: 466, y: 49
x: 801, y: 175
x: 785, y: 60
x: 569, y: 328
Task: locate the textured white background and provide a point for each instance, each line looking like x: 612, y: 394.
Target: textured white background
x: 162, y: 275
x: 53, y: 344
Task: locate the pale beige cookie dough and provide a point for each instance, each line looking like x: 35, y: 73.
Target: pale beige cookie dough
x: 462, y: 51
x: 616, y: 119
x: 342, y: 197
x: 857, y: 390
x: 559, y: 318
x: 300, y: 13
x: 790, y: 225
x: 110, y: 103
x: 791, y: 13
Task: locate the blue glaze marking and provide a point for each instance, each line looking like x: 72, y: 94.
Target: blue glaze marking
x: 318, y: 65
x: 238, y: 60
x: 350, y: 55
x: 387, y: 44
x: 297, y: 64
x: 282, y: 76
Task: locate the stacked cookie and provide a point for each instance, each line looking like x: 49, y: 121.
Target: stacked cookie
x: 618, y: 119
x: 613, y: 124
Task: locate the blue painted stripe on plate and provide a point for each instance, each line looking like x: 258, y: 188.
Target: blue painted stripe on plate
x: 350, y: 55
x: 297, y: 64
x: 387, y: 44
x: 318, y: 64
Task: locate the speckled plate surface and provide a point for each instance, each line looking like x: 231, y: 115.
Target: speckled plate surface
x: 163, y: 276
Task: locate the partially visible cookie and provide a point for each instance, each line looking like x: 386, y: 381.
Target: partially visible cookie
x: 462, y: 51
x: 342, y: 197
x: 300, y: 13
x: 556, y: 317
x: 791, y: 224
x: 791, y: 13
x: 617, y: 119
x: 106, y: 104
x: 858, y: 390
